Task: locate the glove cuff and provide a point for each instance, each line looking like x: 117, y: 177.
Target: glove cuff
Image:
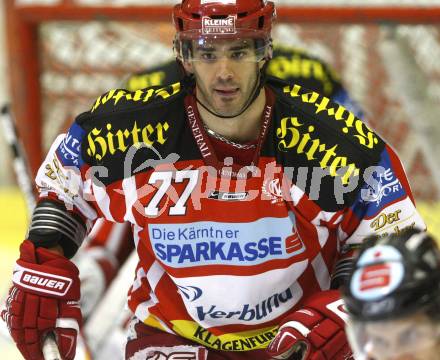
x: 291, y: 342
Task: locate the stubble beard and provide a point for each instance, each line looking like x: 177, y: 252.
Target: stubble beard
x: 233, y: 106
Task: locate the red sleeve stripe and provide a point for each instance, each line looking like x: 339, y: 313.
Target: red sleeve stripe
x: 117, y: 237
x: 102, y: 200
x: 129, y: 188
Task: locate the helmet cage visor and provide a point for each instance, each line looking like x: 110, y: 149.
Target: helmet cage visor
x: 244, y: 45
x: 391, y: 338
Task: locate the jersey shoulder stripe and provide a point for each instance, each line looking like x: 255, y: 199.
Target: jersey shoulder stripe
x: 122, y: 100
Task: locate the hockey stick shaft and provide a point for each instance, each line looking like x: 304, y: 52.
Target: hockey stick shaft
x: 24, y: 180
x: 21, y: 167
x: 50, y: 348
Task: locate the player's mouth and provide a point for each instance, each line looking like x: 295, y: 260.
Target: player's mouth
x: 227, y: 92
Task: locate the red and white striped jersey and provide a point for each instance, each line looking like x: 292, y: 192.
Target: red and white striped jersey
x: 229, y: 244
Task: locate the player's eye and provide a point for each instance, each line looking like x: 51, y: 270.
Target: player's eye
x: 208, y: 56
x: 239, y: 55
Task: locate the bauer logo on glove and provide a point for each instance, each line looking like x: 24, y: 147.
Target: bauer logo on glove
x: 38, y: 281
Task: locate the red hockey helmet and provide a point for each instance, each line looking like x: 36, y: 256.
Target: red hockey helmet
x: 217, y: 19
x: 247, y: 15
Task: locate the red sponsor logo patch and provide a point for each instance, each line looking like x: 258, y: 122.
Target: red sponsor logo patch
x: 293, y: 243
x: 375, y: 276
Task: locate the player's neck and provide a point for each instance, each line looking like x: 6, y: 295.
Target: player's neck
x: 243, y: 128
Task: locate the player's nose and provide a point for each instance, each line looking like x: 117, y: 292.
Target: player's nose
x: 225, y: 69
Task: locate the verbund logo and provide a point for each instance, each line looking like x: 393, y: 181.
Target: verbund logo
x: 45, y: 283
x: 218, y: 26
x: 192, y: 293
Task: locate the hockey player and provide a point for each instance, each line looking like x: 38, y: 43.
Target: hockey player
x: 393, y: 298
x: 245, y: 201
x: 109, y: 243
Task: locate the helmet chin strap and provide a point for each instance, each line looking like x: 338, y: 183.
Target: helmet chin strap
x: 259, y: 83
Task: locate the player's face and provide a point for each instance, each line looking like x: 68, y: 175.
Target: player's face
x: 226, y: 73
x: 415, y: 337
